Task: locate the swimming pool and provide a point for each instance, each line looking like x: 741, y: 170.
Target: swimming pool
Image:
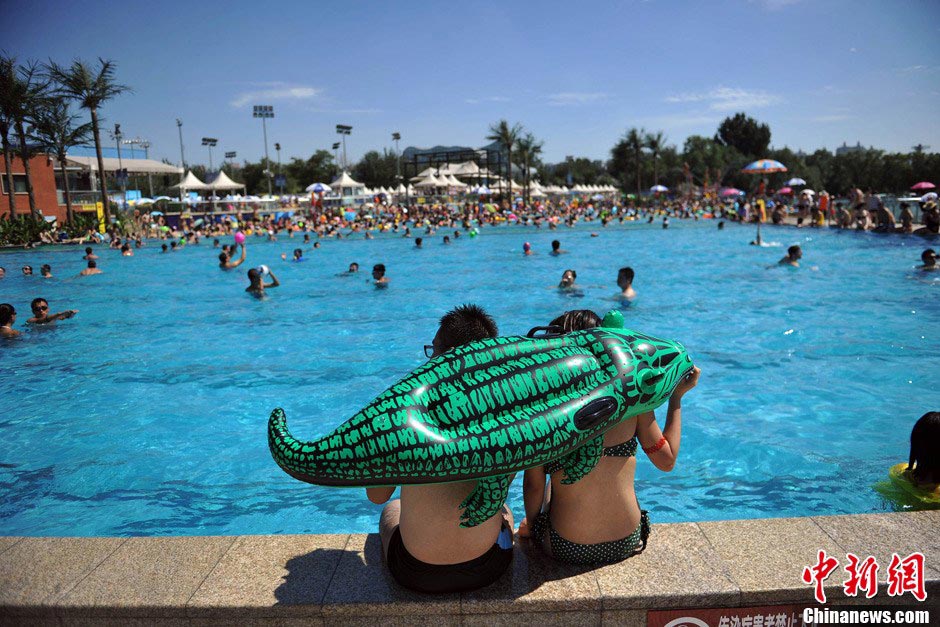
x: 147, y: 413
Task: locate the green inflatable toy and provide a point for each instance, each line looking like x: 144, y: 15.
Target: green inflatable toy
x: 492, y: 408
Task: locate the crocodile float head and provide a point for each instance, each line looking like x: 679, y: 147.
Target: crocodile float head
x: 488, y: 409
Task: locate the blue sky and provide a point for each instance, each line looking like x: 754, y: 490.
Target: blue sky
x: 577, y: 74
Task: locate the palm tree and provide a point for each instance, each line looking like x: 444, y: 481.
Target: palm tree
x: 91, y: 87
x: 54, y: 128
x: 507, y: 136
x: 635, y: 141
x: 655, y: 143
x: 528, y: 150
x: 7, y: 88
x: 23, y: 93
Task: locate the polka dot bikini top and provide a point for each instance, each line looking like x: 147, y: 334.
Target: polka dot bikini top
x: 624, y: 449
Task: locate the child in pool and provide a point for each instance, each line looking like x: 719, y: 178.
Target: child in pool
x: 916, y: 485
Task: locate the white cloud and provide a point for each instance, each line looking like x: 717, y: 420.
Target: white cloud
x: 728, y: 98
x: 487, y: 99
x: 569, y: 98
x: 277, y: 91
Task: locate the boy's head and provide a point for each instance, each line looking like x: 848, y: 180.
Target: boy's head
x: 7, y: 313
x: 378, y: 271
x: 625, y: 277
x: 795, y: 252
x: 556, y: 244
x: 462, y: 325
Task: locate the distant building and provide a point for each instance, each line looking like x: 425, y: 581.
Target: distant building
x: 844, y: 149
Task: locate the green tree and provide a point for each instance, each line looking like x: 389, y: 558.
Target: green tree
x: 24, y: 91
x: 627, y: 155
x: 56, y: 131
x: 745, y: 134
x: 528, y: 151
x: 376, y: 169
x: 8, y: 81
x: 318, y: 168
x: 507, y: 136
x: 91, y: 87
x: 655, y: 142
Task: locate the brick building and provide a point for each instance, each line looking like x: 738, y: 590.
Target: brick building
x: 43, y: 175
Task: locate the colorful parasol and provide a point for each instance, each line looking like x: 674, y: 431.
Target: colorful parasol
x: 764, y: 166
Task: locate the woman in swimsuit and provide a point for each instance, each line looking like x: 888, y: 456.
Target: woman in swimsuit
x: 598, y: 520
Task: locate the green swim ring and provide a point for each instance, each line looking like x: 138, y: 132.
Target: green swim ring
x: 492, y: 408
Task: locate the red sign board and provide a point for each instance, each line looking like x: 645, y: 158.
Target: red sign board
x: 760, y: 616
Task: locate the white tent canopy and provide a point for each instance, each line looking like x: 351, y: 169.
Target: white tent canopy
x: 344, y: 180
x: 190, y: 182
x: 222, y: 181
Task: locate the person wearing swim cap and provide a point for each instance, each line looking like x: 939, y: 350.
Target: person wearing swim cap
x: 257, y: 286
x: 527, y: 248
x: 225, y: 258
x: 425, y: 547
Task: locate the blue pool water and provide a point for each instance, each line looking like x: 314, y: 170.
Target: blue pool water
x: 146, y: 414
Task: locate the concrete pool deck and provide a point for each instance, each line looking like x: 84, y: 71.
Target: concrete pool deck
x: 339, y: 579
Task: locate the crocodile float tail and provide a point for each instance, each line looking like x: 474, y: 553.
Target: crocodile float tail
x: 300, y: 459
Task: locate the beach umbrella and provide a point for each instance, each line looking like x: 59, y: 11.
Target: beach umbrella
x: 483, y: 190
x: 319, y: 187
x: 159, y: 198
x: 156, y: 213
x: 784, y: 190
x: 928, y: 197
x: 796, y: 181
x: 731, y: 191
x: 808, y: 191
x: 764, y: 166
x: 659, y: 188
x: 923, y: 185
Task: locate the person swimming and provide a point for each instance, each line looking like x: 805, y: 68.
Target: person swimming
x: 625, y: 283
x: 378, y: 275
x: 41, y: 315
x: 257, y: 286
x: 225, y: 258
x: 794, y: 254
x: 556, y: 248
x: 929, y: 257
x: 298, y: 255
x: 567, y: 279
x: 7, y: 319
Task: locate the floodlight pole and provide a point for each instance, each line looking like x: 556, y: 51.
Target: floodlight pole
x: 117, y: 140
x: 179, y: 125
x: 264, y: 112
x: 267, y: 160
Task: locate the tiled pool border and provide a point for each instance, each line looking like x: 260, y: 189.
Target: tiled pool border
x: 339, y: 579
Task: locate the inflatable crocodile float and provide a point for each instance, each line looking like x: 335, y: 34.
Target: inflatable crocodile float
x: 489, y: 409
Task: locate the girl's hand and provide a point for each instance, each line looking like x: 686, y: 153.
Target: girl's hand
x: 688, y: 382
x: 523, y: 529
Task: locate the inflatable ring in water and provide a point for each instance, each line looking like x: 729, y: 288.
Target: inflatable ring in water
x: 492, y: 408
x: 900, y: 490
